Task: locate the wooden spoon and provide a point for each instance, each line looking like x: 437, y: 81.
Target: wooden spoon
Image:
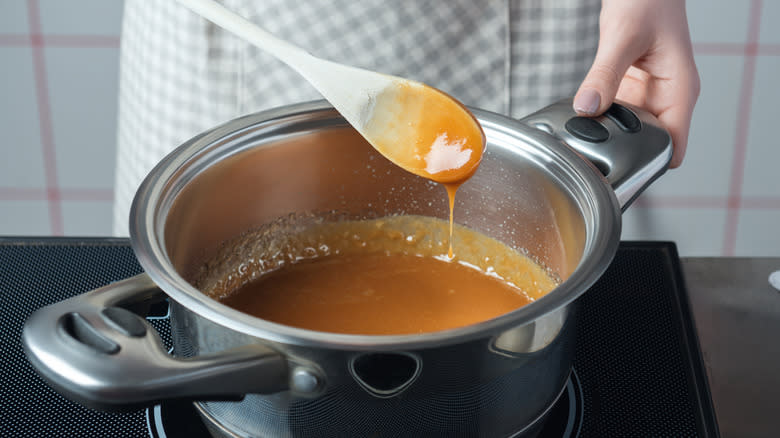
x: 417, y: 127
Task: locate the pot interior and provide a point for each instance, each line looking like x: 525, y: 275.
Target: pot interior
x: 522, y: 195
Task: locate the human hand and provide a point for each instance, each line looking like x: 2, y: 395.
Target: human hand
x: 644, y: 58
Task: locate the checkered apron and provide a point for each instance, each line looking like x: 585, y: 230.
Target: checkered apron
x: 181, y: 75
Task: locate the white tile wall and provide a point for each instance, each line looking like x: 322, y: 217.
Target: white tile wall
x: 13, y: 18
x: 689, y: 205
x: 718, y: 21
x: 59, y: 91
x: 83, y: 86
x: 85, y: 218
x: 758, y: 232
x: 21, y: 158
x: 762, y: 160
x: 770, y: 11
x: 81, y: 17
x: 24, y: 217
x: 694, y: 230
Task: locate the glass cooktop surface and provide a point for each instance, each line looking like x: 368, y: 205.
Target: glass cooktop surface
x: 637, y: 366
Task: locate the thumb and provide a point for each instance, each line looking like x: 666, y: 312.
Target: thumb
x: 601, y: 84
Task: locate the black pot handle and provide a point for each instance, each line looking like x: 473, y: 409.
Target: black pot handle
x: 94, y: 350
x: 626, y: 144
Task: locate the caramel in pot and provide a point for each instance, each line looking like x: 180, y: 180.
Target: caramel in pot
x: 379, y: 277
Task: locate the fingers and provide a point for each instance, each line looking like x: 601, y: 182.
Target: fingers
x: 676, y: 120
x: 676, y: 117
x: 670, y: 95
x: 676, y: 112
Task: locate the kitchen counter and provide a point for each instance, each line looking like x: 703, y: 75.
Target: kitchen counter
x: 737, y: 316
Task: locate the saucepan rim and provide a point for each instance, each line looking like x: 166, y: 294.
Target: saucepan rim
x: 156, y: 193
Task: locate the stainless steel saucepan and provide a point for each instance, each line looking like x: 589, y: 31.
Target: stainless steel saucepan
x: 552, y: 185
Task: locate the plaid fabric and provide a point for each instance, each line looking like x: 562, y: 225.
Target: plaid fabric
x: 180, y: 75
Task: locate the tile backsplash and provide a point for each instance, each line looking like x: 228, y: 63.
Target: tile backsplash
x: 58, y: 118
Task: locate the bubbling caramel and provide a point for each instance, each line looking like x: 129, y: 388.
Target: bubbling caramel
x: 374, y: 277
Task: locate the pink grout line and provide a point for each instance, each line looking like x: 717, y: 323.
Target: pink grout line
x: 54, y: 40
x: 21, y: 194
x: 719, y: 49
x: 35, y: 194
x: 81, y: 41
x: 756, y: 203
x: 741, y: 136
x: 44, y: 116
x: 14, y: 40
x: 725, y: 49
x: 681, y: 202
x: 90, y: 194
x: 706, y: 202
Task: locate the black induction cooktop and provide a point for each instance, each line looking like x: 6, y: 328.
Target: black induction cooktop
x: 637, y: 368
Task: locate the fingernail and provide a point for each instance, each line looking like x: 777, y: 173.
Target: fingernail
x: 587, y: 101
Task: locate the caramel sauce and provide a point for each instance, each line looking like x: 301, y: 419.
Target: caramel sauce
x: 377, y: 294
x: 375, y: 277
x: 451, y: 190
x: 429, y: 133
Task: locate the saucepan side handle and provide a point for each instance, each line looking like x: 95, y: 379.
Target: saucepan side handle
x: 94, y: 350
x: 627, y: 144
